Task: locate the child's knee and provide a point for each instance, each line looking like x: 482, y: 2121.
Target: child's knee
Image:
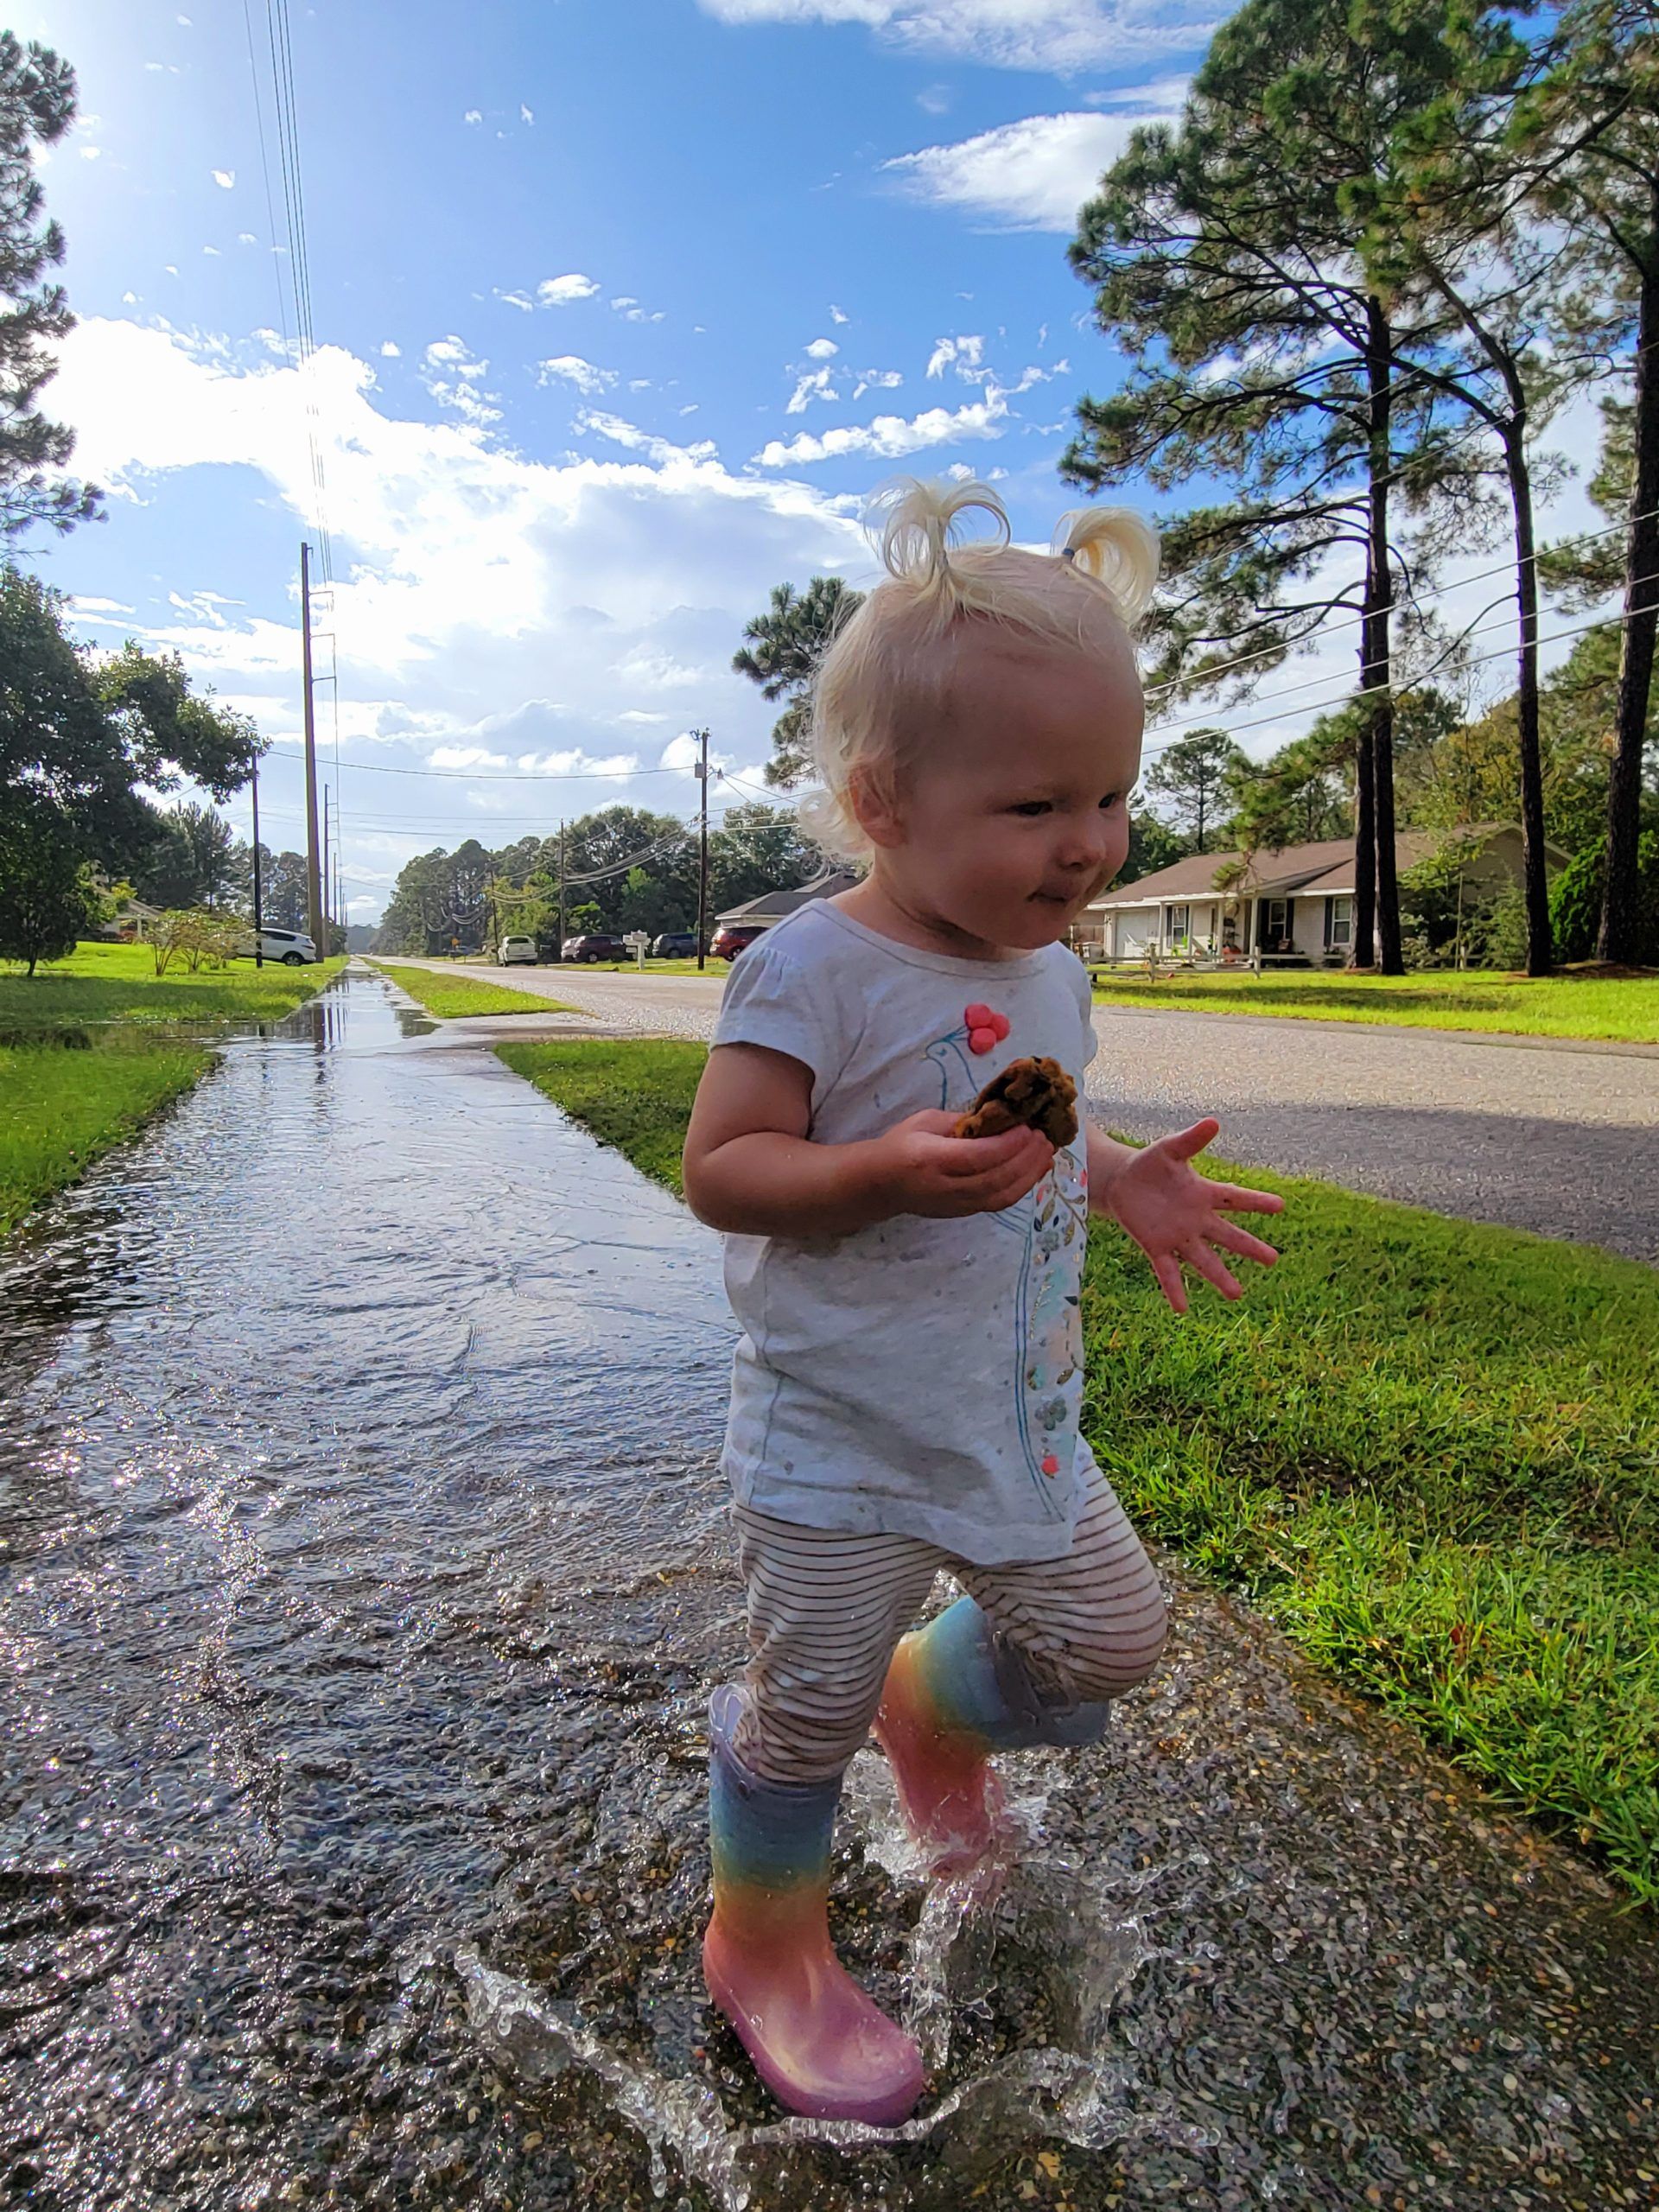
x: 1119, y: 1653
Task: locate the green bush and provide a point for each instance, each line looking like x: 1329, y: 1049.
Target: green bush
x: 1575, y: 902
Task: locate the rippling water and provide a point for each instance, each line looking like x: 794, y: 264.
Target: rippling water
x: 365, y: 1576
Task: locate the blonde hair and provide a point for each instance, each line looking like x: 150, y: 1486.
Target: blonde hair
x: 882, y: 683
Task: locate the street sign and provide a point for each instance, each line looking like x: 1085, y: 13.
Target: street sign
x: 638, y: 943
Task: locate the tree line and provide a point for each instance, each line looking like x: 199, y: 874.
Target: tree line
x: 1355, y: 283
x: 622, y: 868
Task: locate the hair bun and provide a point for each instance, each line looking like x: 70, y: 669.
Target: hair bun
x: 917, y: 524
x: 1116, y: 549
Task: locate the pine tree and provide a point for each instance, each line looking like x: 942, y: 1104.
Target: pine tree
x: 1449, y: 213
x: 1592, y: 123
x: 1224, y: 263
x: 784, y: 646
x: 37, y: 106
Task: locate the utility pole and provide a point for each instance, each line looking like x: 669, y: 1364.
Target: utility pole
x: 312, y: 869
x: 258, y: 916
x: 561, y: 891
x: 324, y: 944
x: 702, y: 736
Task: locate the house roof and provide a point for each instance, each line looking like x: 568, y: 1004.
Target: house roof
x: 772, y: 906
x: 1319, y: 869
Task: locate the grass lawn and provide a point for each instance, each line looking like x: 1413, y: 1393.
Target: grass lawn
x: 1622, y: 1007
x: 60, y: 1108
x: 1428, y: 1450
x: 118, y: 982
x: 448, y: 995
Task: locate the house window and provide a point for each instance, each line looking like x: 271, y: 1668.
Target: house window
x: 1178, y: 924
x: 1339, y: 935
x: 1278, y: 930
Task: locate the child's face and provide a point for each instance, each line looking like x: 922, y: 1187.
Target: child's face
x: 1017, y: 812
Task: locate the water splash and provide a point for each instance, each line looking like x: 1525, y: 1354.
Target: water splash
x: 1050, y: 1938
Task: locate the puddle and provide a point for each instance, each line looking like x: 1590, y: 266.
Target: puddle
x: 366, y: 1574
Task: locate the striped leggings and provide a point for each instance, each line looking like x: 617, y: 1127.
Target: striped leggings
x: 826, y: 1610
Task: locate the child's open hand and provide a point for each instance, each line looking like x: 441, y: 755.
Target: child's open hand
x: 924, y: 1167
x: 1176, y: 1215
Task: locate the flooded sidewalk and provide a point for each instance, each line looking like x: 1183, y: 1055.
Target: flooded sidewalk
x: 365, y: 1575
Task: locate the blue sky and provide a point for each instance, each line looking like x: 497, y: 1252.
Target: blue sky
x: 620, y: 311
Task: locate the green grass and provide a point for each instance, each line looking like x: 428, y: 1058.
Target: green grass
x: 60, y: 1108
x: 450, y: 996
x: 1428, y: 1450
x: 637, y: 1097
x: 1625, y: 1008
x: 111, y: 1051
x: 118, y: 982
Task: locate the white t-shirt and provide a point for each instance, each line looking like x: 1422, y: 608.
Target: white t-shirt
x: 921, y: 1377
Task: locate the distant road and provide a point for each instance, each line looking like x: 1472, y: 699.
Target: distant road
x: 1559, y: 1139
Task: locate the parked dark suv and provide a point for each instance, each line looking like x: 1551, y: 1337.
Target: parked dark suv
x: 595, y: 944
x: 675, y: 944
x: 728, y: 943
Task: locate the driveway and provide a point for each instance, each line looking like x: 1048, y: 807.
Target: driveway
x: 1545, y: 1134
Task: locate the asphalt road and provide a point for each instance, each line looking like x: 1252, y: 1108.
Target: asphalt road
x: 1559, y: 1138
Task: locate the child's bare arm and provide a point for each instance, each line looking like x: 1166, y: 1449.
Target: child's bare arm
x: 750, y: 1167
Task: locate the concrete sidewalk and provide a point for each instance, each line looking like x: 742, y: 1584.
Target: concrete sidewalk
x: 1537, y: 1133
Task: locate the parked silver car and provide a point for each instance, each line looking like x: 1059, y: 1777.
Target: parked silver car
x: 512, y: 948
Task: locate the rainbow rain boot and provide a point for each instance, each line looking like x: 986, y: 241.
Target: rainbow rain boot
x: 821, y: 2046
x: 953, y: 1695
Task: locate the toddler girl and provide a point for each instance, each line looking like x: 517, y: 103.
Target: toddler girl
x: 906, y: 1390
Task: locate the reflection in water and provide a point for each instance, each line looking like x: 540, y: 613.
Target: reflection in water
x: 366, y: 1576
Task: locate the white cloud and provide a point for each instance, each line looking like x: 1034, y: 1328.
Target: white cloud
x: 892, y: 435
x: 454, y: 379
x: 877, y: 380
x: 836, y: 316
x: 389, y: 349
x: 246, y: 238
x: 224, y: 179
x: 823, y: 349
x: 562, y: 291
x: 474, y: 115
x: 965, y: 355
x: 935, y: 99
x: 465, y: 571
x: 517, y: 300
x: 1059, y: 35
x: 88, y: 609
x: 212, y: 250
x: 524, y: 115
x: 1032, y: 175
x: 585, y: 375
x: 92, y: 153
x: 630, y: 311
x: 820, y: 385
x: 626, y: 434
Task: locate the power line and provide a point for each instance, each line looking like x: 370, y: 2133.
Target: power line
x: 1423, y: 599
x: 496, y: 776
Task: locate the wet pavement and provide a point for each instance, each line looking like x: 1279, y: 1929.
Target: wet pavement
x: 1557, y: 1136
x: 365, y: 1572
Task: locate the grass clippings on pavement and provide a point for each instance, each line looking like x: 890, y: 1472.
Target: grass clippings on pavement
x: 1428, y: 1449
x: 1624, y: 1007
x: 452, y: 997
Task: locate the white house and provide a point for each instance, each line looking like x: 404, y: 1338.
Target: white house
x: 1299, y: 899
